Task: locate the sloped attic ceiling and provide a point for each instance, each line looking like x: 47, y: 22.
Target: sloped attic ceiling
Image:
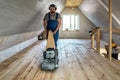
x: 116, y: 8
x: 20, y: 16
x: 98, y: 15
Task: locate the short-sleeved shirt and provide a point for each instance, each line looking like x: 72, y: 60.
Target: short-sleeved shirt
x: 52, y: 17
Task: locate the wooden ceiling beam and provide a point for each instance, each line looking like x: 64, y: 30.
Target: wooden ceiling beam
x: 73, y: 3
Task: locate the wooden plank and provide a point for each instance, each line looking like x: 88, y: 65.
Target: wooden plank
x: 113, y: 30
x: 98, y: 40
x: 15, y: 71
x: 108, y: 71
x: 15, y: 60
x: 110, y: 30
x: 30, y: 71
x: 50, y: 40
x: 108, y: 67
x: 92, y: 41
x: 77, y: 61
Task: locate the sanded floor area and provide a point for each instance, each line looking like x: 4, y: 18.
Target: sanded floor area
x: 77, y: 61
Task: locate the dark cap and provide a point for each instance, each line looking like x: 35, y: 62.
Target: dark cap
x: 53, y: 5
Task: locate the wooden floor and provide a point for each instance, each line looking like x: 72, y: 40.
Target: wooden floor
x: 77, y: 62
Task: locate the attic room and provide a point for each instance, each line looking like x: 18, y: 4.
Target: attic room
x: 87, y: 48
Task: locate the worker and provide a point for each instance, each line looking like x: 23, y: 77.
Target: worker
x: 52, y: 21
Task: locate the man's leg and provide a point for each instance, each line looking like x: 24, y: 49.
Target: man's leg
x: 56, y: 38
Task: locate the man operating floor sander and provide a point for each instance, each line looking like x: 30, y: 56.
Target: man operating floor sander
x: 52, y: 23
x: 50, y: 56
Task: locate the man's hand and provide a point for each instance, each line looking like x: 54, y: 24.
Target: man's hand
x: 45, y: 31
x: 59, y: 24
x: 45, y: 34
x: 54, y: 32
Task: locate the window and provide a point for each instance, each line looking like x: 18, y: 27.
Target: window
x: 70, y: 22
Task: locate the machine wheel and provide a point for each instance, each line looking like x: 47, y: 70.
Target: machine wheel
x: 44, y: 54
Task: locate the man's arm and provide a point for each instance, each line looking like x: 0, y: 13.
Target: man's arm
x: 45, y: 24
x: 45, y: 29
x: 59, y: 24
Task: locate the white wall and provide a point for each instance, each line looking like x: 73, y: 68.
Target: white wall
x: 21, y: 21
x: 84, y: 25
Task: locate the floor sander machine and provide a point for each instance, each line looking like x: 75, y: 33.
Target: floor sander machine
x: 50, y: 61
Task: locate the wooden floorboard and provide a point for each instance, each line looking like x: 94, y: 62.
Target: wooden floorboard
x: 77, y: 61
